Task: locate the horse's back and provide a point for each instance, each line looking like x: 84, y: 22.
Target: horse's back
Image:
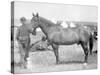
x: 70, y: 35
x: 64, y: 35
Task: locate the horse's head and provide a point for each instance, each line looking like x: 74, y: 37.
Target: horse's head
x: 35, y: 22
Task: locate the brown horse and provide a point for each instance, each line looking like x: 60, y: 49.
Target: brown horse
x: 57, y: 35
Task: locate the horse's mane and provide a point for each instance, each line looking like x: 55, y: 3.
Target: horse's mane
x: 46, y: 21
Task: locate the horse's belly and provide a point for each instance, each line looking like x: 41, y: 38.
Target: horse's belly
x: 70, y: 38
x: 70, y: 42
x: 65, y: 40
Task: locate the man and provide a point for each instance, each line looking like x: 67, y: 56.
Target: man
x: 23, y: 38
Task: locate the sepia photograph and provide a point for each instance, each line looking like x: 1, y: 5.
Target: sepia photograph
x: 53, y: 37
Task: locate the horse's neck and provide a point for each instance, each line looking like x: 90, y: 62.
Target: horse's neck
x: 48, y: 22
x: 45, y: 29
x: 45, y: 25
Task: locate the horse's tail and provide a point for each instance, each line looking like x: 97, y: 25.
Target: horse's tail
x: 91, y: 43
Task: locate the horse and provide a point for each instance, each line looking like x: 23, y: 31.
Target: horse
x: 57, y: 35
x: 23, y: 38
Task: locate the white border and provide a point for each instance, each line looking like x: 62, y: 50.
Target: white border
x: 5, y: 35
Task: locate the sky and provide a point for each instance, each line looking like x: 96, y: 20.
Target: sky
x: 50, y: 11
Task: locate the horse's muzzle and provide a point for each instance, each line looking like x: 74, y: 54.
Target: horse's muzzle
x: 33, y: 33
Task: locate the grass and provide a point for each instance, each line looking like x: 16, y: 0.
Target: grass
x: 71, y: 57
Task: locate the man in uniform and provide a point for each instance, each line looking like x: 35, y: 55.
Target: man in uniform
x: 23, y: 38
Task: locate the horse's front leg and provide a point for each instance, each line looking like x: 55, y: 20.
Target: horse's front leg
x: 56, y: 52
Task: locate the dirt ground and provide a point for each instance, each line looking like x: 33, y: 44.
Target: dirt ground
x: 71, y: 58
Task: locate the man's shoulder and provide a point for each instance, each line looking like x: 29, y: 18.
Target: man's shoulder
x: 19, y: 28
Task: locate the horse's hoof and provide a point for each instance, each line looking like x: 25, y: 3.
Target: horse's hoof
x: 85, y: 64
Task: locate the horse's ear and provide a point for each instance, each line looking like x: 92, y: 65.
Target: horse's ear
x: 33, y: 14
x: 37, y: 15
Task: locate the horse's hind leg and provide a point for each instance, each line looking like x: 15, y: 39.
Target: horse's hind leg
x: 85, y: 48
x: 55, y: 48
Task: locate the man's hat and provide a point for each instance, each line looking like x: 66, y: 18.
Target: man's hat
x: 22, y: 19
